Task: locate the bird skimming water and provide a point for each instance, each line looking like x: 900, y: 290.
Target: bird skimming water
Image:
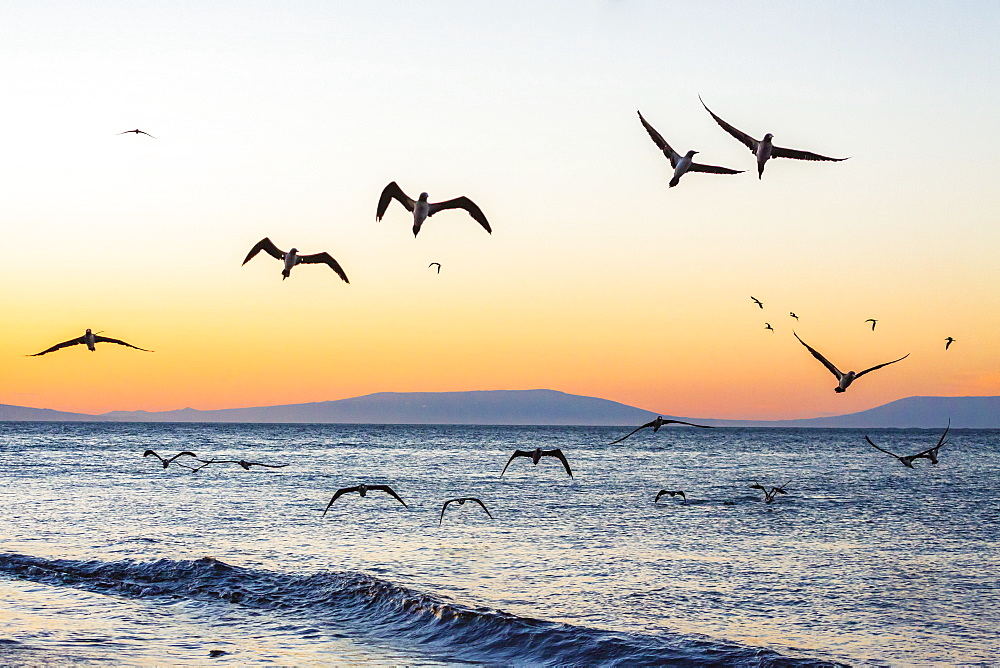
x: 930, y: 454
x: 656, y: 423
x: 536, y: 454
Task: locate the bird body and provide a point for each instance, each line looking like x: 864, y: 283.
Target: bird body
x: 363, y: 491
x: 656, y: 423
x: 292, y: 258
x: 422, y: 209
x: 461, y: 502
x: 90, y: 340
x: 844, y: 380
x: 167, y: 462
x: 682, y: 164
x: 536, y: 454
x: 948, y: 341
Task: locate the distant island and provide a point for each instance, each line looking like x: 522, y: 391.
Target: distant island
x: 531, y: 407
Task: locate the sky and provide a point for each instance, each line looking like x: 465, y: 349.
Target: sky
x: 286, y: 120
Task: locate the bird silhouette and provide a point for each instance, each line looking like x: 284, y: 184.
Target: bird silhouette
x: 461, y: 502
x: 167, y: 462
x: 873, y: 321
x: 757, y: 301
x: 536, y: 454
x: 292, y: 258
x: 242, y: 462
x: 435, y: 263
x: 138, y: 132
x: 671, y: 493
x: 770, y: 494
x: 791, y: 313
x: 422, y: 209
x: 767, y: 325
x: 844, y: 379
x: 658, y: 422
x: 363, y: 491
x: 682, y: 164
x: 948, y: 341
x: 88, y: 339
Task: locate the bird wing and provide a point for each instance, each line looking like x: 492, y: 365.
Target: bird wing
x: 270, y: 466
x: 941, y: 440
x: 659, y: 494
x: 266, y: 246
x: 472, y: 498
x: 881, y: 449
x: 388, y: 490
x: 879, y: 366
x: 778, y: 152
x: 558, y: 454
x: 741, y: 136
x: 181, y: 454
x: 71, y: 342
x: 461, y: 203
x: 931, y: 453
x: 104, y: 339
x: 758, y: 486
x: 338, y: 494
x: 151, y: 452
x: 661, y: 143
x: 517, y: 453
x: 712, y: 169
x: 827, y: 363
x: 648, y: 424
x: 324, y: 258
x: 390, y: 192
x: 703, y: 426
x: 441, y: 519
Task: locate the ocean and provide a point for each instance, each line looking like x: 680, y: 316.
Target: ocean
x: 108, y: 558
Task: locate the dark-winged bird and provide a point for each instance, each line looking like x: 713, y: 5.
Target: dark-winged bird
x: 166, y: 462
x: 769, y: 494
x: 422, y: 209
x: 948, y: 341
x: 929, y: 454
x: 363, y: 491
x: 138, y: 132
x: 536, y: 454
x: 672, y: 495
x: 242, y: 462
x: 873, y: 321
x: 756, y: 301
x: 292, y: 258
x: 88, y: 339
x: 435, y: 263
x: 658, y: 422
x: 461, y: 502
x: 763, y: 149
x: 792, y: 313
x: 682, y: 164
x: 844, y: 379
x: 767, y: 325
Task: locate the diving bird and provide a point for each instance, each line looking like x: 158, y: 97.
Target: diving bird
x: 656, y: 424
x: 929, y: 454
x: 672, y: 495
x: 363, y: 491
x: 756, y: 301
x: 763, y: 149
x: 769, y: 494
x: 292, y: 258
x: 536, y: 454
x: 948, y: 341
x: 873, y: 321
x: 242, y: 462
x: 422, y: 209
x: 767, y: 325
x: 791, y: 313
x: 89, y: 339
x: 166, y: 462
x: 435, y: 263
x: 138, y: 132
x: 461, y: 502
x: 844, y: 379
x: 682, y: 164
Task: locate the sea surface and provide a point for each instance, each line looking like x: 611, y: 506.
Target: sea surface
x: 108, y: 558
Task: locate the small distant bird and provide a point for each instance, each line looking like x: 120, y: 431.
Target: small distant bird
x: 658, y: 422
x: 844, y: 379
x: 292, y: 258
x: 767, y: 325
x: 435, y: 263
x: 461, y: 502
x: 948, y: 341
x: 422, y: 209
x: 929, y: 454
x: 363, y: 491
x: 756, y: 301
x: 88, y: 339
x: 138, y: 132
x: 769, y: 494
x: 242, y: 462
x: 763, y: 149
x: 166, y: 462
x: 536, y: 454
x: 873, y: 321
x: 793, y: 315
x: 672, y: 495
x: 682, y: 164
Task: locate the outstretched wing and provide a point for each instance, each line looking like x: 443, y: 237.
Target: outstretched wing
x: 104, y: 339
x: 461, y: 203
x: 337, y: 495
x: 389, y: 193
x: 712, y: 169
x: 690, y: 424
x: 71, y: 342
x: 879, y: 366
x: 181, y: 454
x: 739, y: 135
x: 827, y: 363
x: 388, y: 490
x: 441, y: 519
x: 472, y: 498
x: 324, y: 258
x: 778, y: 152
x: 266, y: 246
x: 661, y: 143
x: 517, y: 453
x: 247, y: 465
x: 648, y: 424
x: 558, y: 454
x: 151, y: 452
x: 881, y: 449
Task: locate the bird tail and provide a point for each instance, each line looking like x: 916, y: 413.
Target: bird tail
x: 674, y: 181
x: 285, y: 273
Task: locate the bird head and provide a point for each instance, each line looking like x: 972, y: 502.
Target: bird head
x: 691, y: 153
x: 423, y: 197
x: 362, y: 489
x: 88, y: 330
x: 768, y: 137
x: 294, y: 250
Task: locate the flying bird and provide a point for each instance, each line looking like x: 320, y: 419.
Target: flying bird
x: 435, y: 263
x: 873, y: 321
x: 756, y: 301
x: 769, y: 494
x: 363, y: 491
x: 763, y: 148
x: 682, y: 164
x: 929, y: 454
x: 242, y: 462
x: 138, y: 132
x: 656, y: 424
x: 791, y: 313
x: 292, y: 258
x: 422, y: 209
x: 672, y: 495
x: 767, y: 325
x: 536, y: 454
x: 166, y: 462
x: 948, y: 341
x: 844, y: 379
x: 89, y: 339
x: 461, y: 502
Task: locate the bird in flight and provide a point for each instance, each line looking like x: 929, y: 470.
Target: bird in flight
x: 844, y: 379
x: 767, y: 325
x: 243, y: 463
x: 792, y: 313
x: 536, y: 454
x: 138, y: 132
x: 363, y: 491
x: 461, y: 502
x: 948, y: 341
x: 769, y: 494
x: 167, y: 462
x: 756, y: 301
x: 682, y: 164
x: 930, y: 453
x: 662, y: 492
x: 422, y: 209
x: 88, y: 339
x: 873, y: 321
x: 292, y: 258
x: 763, y: 148
x: 435, y: 263
x: 656, y: 424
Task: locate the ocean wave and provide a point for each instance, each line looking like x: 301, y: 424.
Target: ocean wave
x: 362, y: 605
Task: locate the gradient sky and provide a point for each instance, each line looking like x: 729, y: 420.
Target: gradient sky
x: 287, y: 119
